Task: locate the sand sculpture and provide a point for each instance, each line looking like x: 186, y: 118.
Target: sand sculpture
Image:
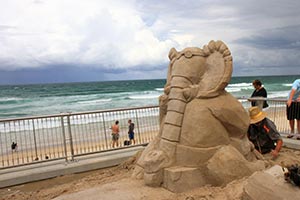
x: 202, y: 138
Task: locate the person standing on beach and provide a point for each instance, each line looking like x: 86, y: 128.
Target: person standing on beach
x: 130, y: 132
x: 259, y: 91
x: 293, y: 108
x: 115, y: 134
x: 263, y: 134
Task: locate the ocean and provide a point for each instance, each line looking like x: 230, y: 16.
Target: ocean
x: 45, y: 99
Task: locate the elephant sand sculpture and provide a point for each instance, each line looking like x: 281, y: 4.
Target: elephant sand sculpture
x: 202, y: 137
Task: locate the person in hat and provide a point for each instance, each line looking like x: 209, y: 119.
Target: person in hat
x: 262, y: 133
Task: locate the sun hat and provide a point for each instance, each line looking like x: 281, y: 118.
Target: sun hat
x: 256, y: 115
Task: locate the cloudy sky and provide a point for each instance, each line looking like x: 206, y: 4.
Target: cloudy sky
x: 96, y: 40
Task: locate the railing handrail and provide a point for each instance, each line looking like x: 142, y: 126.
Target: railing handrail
x: 265, y: 99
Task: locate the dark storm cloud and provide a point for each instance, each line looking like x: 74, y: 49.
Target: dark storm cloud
x: 55, y: 74
x: 279, y: 38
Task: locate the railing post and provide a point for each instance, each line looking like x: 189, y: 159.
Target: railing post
x: 70, y: 137
x: 34, y: 139
x: 104, y: 127
x: 64, y: 137
x: 275, y: 110
x: 138, y: 126
x: 260, y: 103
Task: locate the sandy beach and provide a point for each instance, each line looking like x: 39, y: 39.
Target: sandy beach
x: 86, y: 138
x: 118, y: 180
x: 54, y: 152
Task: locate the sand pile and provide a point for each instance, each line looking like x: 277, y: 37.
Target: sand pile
x: 202, y: 136
x: 117, y: 183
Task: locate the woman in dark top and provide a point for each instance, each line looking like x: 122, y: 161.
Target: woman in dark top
x: 259, y: 91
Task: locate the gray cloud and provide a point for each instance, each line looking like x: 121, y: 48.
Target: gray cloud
x: 278, y: 38
x: 133, y: 38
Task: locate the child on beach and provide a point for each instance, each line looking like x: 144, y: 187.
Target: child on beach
x: 14, y: 146
x: 130, y: 132
x: 115, y: 134
x: 293, y: 108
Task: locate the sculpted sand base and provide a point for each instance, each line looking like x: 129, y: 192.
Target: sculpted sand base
x: 202, y: 138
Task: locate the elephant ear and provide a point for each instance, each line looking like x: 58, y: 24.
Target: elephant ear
x: 218, y: 70
x: 172, y: 56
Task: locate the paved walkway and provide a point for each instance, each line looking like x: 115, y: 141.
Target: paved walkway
x: 291, y: 143
x: 51, y: 169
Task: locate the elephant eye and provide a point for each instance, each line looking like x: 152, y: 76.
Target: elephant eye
x: 188, y: 54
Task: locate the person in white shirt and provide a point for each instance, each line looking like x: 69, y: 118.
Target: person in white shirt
x: 293, y: 109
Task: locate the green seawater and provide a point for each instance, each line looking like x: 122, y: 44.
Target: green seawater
x: 43, y: 99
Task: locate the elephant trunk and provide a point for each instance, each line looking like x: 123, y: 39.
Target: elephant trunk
x: 177, y: 101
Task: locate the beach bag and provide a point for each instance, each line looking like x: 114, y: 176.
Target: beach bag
x: 14, y: 146
x: 293, y: 175
x: 127, y: 142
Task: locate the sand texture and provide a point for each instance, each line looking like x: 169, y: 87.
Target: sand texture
x: 117, y: 183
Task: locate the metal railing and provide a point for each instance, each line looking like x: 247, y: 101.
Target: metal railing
x: 276, y: 112
x: 67, y: 135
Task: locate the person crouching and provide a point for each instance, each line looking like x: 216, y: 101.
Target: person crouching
x: 263, y: 134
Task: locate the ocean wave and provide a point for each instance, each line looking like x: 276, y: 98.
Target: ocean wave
x: 11, y: 115
x: 149, y: 96
x: 288, y: 84
x: 240, y: 85
x: 278, y: 94
x: 10, y: 99
x: 159, y: 89
x: 77, y: 96
x: 233, y: 89
x: 94, y: 101
x: 82, y: 99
